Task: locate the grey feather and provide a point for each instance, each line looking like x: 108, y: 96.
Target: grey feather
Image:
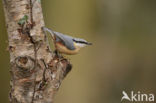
x: 68, y: 41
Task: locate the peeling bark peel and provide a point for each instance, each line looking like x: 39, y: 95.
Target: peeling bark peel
x: 36, y: 73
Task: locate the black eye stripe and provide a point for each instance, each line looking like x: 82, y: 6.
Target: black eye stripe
x: 80, y: 42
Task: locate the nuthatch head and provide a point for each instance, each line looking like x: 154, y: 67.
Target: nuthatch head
x: 67, y: 44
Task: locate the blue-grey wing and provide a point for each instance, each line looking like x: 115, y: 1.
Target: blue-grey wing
x: 66, y: 40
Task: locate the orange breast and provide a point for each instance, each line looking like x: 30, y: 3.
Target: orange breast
x: 62, y: 49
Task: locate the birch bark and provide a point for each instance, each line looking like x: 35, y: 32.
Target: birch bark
x: 36, y: 73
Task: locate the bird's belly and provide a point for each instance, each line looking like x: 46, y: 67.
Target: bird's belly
x: 62, y: 49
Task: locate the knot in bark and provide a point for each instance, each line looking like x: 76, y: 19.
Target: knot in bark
x: 25, y: 65
x: 25, y: 62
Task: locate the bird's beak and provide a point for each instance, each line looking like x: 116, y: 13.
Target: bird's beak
x: 89, y: 44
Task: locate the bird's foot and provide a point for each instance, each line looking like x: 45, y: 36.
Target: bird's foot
x: 57, y: 54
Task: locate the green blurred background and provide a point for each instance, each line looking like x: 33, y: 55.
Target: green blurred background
x: 123, y: 55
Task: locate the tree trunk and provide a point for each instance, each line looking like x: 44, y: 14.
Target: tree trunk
x: 36, y: 72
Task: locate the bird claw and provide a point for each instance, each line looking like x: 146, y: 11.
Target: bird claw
x: 57, y: 54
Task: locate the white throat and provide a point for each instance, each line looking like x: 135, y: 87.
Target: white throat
x: 80, y: 45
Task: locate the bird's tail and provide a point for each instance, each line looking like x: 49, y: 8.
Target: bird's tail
x: 48, y: 30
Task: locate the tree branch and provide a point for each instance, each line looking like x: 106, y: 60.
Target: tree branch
x: 36, y: 73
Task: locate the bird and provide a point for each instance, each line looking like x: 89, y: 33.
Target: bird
x: 125, y: 96
x: 66, y: 44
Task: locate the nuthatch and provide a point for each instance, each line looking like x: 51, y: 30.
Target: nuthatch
x: 67, y: 44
